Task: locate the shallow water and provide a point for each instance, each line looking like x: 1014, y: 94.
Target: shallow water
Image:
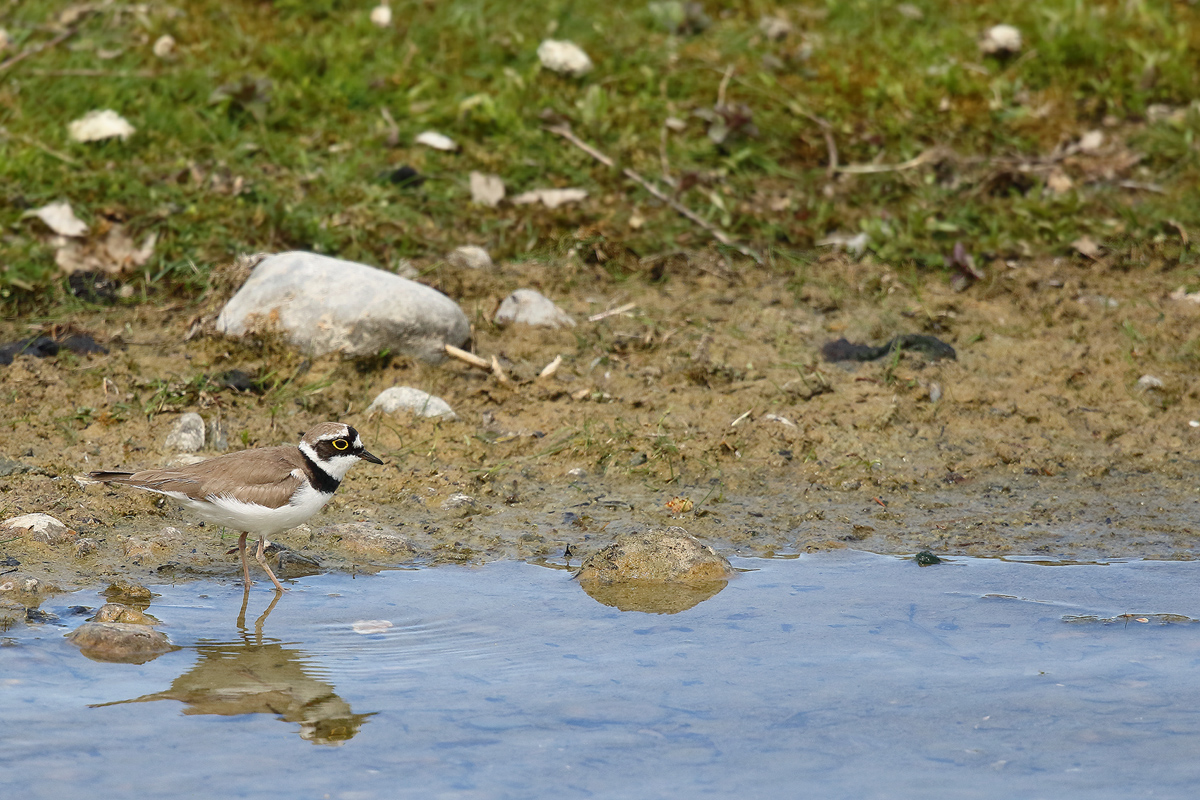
x: 836, y: 675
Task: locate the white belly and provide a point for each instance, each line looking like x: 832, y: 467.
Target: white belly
x: 256, y: 519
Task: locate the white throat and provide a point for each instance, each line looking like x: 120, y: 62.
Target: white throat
x: 335, y: 467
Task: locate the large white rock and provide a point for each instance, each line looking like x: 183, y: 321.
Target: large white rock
x: 326, y: 304
x: 531, y: 308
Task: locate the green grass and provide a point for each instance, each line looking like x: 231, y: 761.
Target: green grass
x: 288, y: 97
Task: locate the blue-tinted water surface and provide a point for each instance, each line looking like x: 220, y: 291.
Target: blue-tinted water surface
x: 842, y: 675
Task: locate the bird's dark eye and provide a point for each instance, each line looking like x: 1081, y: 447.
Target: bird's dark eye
x: 340, y: 444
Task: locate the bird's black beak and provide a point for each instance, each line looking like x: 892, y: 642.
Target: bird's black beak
x: 365, y: 456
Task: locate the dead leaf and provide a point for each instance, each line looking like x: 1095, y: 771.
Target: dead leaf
x: 96, y: 126
x: 113, y: 255
x: 1059, y: 182
x: 438, y: 141
x: 60, y: 218
x: 486, y: 190
x: 1086, y: 246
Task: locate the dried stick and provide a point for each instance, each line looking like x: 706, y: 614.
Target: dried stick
x: 718, y: 234
x: 37, y: 48
x: 830, y: 144
x: 91, y: 73
x: 497, y: 371
x: 4, y: 132
x: 868, y: 169
x: 724, y: 85
x: 662, y: 157
x: 551, y: 368
x: 469, y: 358
x: 612, y: 312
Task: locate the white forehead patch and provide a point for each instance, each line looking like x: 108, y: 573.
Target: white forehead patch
x: 329, y: 437
x: 358, y: 445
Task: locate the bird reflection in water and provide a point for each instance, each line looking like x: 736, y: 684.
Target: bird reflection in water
x: 261, y: 676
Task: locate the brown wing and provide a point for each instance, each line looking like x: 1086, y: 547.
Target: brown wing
x: 261, y: 476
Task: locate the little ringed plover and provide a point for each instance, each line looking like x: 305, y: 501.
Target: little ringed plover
x: 262, y: 491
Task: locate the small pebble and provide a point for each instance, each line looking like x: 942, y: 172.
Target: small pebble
x: 187, y: 434
x: 566, y: 58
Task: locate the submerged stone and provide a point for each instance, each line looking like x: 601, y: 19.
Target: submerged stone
x: 119, y: 642
x: 671, y: 554
x: 119, y: 612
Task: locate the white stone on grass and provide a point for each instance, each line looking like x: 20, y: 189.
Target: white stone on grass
x: 1000, y: 40
x: 187, y: 434
x: 566, y: 58
x: 326, y: 305
x: 381, y: 15
x: 531, y: 308
x: 96, y: 126
x: 1091, y: 141
x: 775, y: 28
x: 470, y: 256
x: 550, y: 198
x: 406, y: 398
x: 164, y: 46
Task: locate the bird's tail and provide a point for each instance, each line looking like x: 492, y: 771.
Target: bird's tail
x: 114, y: 477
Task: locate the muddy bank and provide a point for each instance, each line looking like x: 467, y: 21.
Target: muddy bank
x: 1043, y: 437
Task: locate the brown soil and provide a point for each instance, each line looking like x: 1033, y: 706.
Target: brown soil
x: 709, y: 390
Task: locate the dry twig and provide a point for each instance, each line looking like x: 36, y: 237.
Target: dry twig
x: 551, y: 368
x: 612, y: 312
x: 497, y: 371
x: 468, y: 358
x: 565, y: 132
x: 868, y: 169
x: 35, y: 143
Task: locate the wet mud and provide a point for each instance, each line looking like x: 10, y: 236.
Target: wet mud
x: 1065, y: 428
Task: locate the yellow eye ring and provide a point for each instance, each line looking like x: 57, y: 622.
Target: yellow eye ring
x: 340, y: 444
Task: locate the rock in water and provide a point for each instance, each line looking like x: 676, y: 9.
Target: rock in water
x: 671, y: 554
x: 326, y: 304
x: 120, y: 642
x: 655, y: 572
